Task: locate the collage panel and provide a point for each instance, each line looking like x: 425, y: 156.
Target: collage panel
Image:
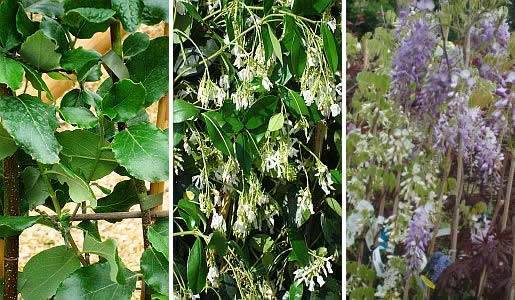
x: 257, y: 149
x: 430, y: 149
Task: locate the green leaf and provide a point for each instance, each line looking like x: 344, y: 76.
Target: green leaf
x: 150, y: 67
x: 106, y: 249
x: 334, y: 205
x: 24, y: 25
x: 93, y: 282
x: 129, y: 12
x: 197, y: 267
x: 114, y: 63
x: 245, y: 151
x: 330, y: 49
x: 295, y: 103
x: 11, y: 73
x: 35, y: 190
x: 93, y: 15
x: 54, y: 30
x: 80, y: 61
x: 122, y: 198
x: 50, y: 8
x: 124, y: 101
x: 86, y: 154
x: 45, y: 271
x: 135, y: 44
x: 218, y: 136
x: 300, y: 249
x: 79, y: 190
x: 79, y: 116
x: 39, y: 51
x: 271, y: 44
x: 296, y: 290
x: 218, y: 242
x: 31, y: 123
x: 14, y: 225
x: 154, y: 267
x: 191, y: 213
x: 143, y: 150
x: 292, y: 41
x: 267, y: 6
x: 154, y: 11
x: 9, y: 36
x: 158, y: 236
x: 80, y: 98
x: 260, y: 112
x: 183, y: 110
x: 7, y: 144
x: 276, y: 122
x: 37, y: 81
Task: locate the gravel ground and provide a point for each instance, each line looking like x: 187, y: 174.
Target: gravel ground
x: 127, y: 233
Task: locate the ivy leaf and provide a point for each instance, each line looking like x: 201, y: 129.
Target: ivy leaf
x: 31, y: 123
x: 183, y: 110
x: 79, y: 190
x: 24, y: 25
x: 292, y: 41
x: 14, y: 225
x: 7, y: 144
x: 50, y: 8
x: 35, y: 190
x: 276, y: 122
x: 38, y: 50
x: 154, y: 267
x: 124, y: 100
x: 150, y: 67
x: 143, y: 150
x: 122, y: 198
x: 154, y: 11
x: 11, y: 73
x: 218, y: 136
x: 54, y: 30
x: 158, y: 236
x: 86, y: 154
x: 331, y: 52
x: 135, y: 44
x: 197, y: 267
x: 94, y: 282
x: 9, y: 36
x: 106, y: 249
x: 129, y: 12
x: 45, y: 271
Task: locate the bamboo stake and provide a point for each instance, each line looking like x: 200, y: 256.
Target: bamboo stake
x: 11, y: 208
x: 456, y: 212
x: 161, y: 123
x: 507, y: 198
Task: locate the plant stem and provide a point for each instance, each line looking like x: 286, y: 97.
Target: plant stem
x: 116, y: 38
x: 456, y: 212
x: 146, y: 221
x: 407, y: 286
x: 11, y: 208
x: 512, y: 291
x: 53, y: 196
x: 507, y: 198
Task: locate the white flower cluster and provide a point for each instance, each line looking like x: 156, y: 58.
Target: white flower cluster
x: 325, y: 179
x: 304, y: 206
x: 390, y: 288
x: 274, y: 159
x: 362, y: 215
x: 317, y: 269
x: 208, y: 91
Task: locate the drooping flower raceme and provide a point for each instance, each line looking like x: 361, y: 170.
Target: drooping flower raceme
x: 417, y: 239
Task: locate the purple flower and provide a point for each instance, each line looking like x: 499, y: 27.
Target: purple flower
x: 410, y: 63
x: 417, y: 239
x: 488, y: 37
x: 488, y: 156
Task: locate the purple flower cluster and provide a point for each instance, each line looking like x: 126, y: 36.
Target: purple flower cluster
x: 437, y: 264
x: 488, y: 37
x: 434, y: 92
x: 417, y: 239
x: 410, y: 64
x: 488, y: 156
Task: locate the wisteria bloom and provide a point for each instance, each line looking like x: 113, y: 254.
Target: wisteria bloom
x: 417, y: 239
x: 488, y: 36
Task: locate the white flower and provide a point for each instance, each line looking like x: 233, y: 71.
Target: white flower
x: 304, y: 206
x: 266, y: 83
x: 245, y: 74
x: 335, y: 109
x: 309, y: 98
x: 217, y: 221
x: 212, y: 276
x: 332, y: 24
x: 320, y: 280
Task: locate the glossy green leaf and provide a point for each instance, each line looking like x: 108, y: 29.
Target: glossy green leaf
x: 11, y: 72
x: 143, y: 150
x: 11, y: 225
x: 154, y: 267
x: 260, y: 112
x: 93, y: 283
x: 35, y: 190
x: 79, y: 116
x: 135, y: 44
x: 31, y: 123
x: 7, y: 144
x: 276, y: 122
x: 106, y: 249
x: 158, y: 237
x: 218, y: 242
x: 86, y: 154
x: 9, y: 36
x: 115, y: 64
x: 220, y: 139
x: 45, y: 271
x: 50, y: 8
x: 25, y: 26
x: 38, y: 50
x: 122, y: 198
x: 80, y: 98
x: 330, y: 49
x: 150, y: 67
x: 197, y: 267
x: 128, y: 12
x: 271, y: 43
x: 296, y: 290
x: 334, y: 205
x: 246, y: 151
x: 79, y: 190
x: 299, y: 248
x: 154, y: 11
x: 84, y: 22
x: 80, y: 61
x: 292, y: 41
x: 295, y: 103
x: 55, y: 30
x: 124, y: 100
x: 183, y: 110
x: 37, y: 82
